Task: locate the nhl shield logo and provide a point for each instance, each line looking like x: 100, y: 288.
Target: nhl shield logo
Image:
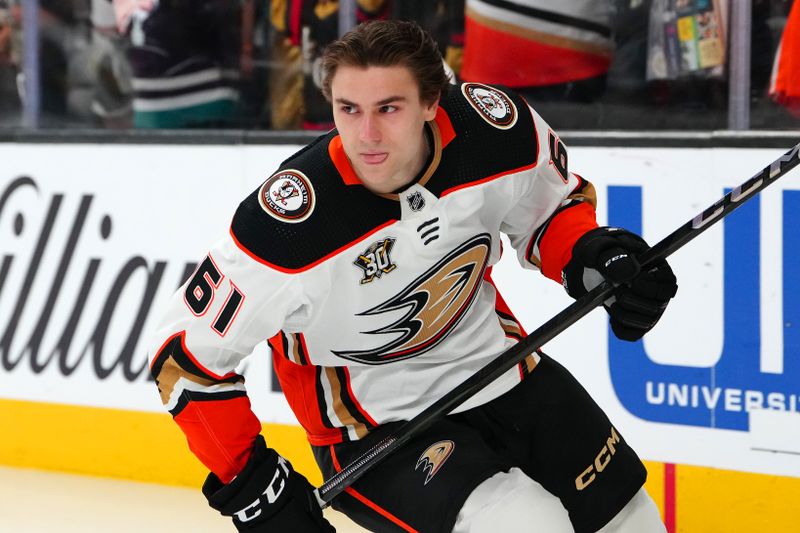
x: 416, y: 201
x: 287, y: 196
x: 493, y: 105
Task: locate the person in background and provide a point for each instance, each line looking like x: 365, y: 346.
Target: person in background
x: 444, y: 19
x: 100, y: 74
x: 185, y: 57
x: 545, y: 49
x: 301, y: 30
x: 785, y: 81
x: 9, y: 65
x: 64, y: 36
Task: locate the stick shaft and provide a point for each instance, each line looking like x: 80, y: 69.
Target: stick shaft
x: 550, y: 329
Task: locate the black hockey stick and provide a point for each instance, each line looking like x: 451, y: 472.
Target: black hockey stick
x: 547, y: 331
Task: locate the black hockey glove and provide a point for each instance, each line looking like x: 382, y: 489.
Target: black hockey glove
x: 640, y: 297
x: 267, y: 496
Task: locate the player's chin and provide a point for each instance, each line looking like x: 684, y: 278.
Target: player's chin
x: 377, y: 181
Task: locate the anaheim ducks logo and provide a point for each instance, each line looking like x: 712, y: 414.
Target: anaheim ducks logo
x: 435, y: 303
x: 434, y: 457
x: 492, y: 104
x: 287, y: 196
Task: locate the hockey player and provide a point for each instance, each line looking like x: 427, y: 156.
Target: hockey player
x: 366, y: 261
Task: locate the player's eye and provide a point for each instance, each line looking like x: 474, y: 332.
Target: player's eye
x: 388, y: 109
x: 348, y: 109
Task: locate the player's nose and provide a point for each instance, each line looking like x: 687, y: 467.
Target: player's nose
x: 369, y: 131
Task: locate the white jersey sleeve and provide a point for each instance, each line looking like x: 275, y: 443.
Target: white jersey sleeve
x: 543, y: 194
x: 231, y: 303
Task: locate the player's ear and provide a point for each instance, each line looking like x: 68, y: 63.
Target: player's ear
x: 429, y: 111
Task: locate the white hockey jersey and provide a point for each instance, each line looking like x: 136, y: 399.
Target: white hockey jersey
x: 375, y: 305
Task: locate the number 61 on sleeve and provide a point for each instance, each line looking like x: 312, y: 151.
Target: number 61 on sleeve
x: 202, y: 288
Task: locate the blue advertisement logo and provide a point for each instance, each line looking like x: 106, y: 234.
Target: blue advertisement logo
x: 719, y: 396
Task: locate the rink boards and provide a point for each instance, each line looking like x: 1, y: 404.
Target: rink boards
x: 94, y: 238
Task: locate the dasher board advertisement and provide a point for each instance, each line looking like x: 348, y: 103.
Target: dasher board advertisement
x: 94, y: 239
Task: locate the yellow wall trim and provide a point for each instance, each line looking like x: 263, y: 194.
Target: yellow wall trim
x: 123, y: 444
x: 150, y: 447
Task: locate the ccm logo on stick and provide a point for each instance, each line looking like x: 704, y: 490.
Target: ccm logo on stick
x: 600, y: 462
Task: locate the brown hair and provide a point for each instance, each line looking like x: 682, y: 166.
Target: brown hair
x: 387, y: 43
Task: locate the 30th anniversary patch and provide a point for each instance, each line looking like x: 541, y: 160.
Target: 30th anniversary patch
x: 287, y: 196
x: 492, y: 104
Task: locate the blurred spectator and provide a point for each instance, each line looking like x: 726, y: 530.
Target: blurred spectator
x: 687, y: 39
x: 302, y: 30
x: 255, y: 72
x: 253, y: 63
x: 113, y: 95
x: 185, y: 56
x: 626, y: 73
x: 785, y: 82
x: 9, y: 61
x: 63, y: 35
x: 763, y: 46
x: 687, y: 64
x: 445, y: 20
x: 696, y: 92
x: 68, y: 67
x: 546, y: 49
x: 286, y: 75
x: 632, y: 100
x: 100, y: 75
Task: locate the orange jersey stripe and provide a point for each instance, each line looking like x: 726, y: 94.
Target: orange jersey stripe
x: 562, y: 233
x: 220, y: 433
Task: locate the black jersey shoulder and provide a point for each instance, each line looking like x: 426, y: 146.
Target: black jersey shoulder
x: 340, y: 213
x: 494, y: 133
